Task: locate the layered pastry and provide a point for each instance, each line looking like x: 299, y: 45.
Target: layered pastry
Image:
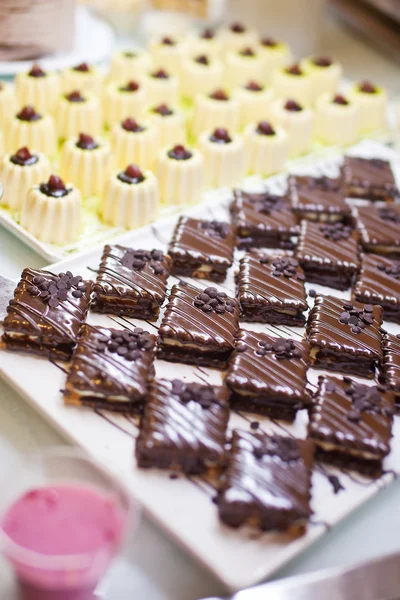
x: 276, y: 55
x: 29, y: 128
x: 369, y: 178
x: 84, y: 77
x: 86, y: 162
x: 318, y: 199
x: 76, y: 112
x: 243, y: 65
x: 218, y: 109
x: 161, y: 86
x: 293, y: 82
x: 207, y: 41
x: 134, y: 141
x: 7, y: 102
x: 123, y: 99
x: 19, y: 171
x: 237, y: 36
x: 51, y: 212
x: 224, y: 158
x: 180, y: 173
x: 129, y: 64
x: 201, y: 74
x: 267, y: 148
x: 336, y: 120
x: 379, y: 228
x: 379, y: 283
x: 255, y: 100
x: 130, y: 199
x: 325, y: 74
x: 170, y: 125
x: 373, y: 103
x: 167, y: 52
x: 38, y: 88
x: 298, y: 123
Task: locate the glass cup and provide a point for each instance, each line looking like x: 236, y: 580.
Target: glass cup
x: 66, y: 576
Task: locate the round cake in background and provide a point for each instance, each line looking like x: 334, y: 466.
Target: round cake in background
x: 86, y: 162
x: 137, y: 141
x: 19, y: 171
x: 130, y: 198
x: 31, y: 29
x: 51, y: 211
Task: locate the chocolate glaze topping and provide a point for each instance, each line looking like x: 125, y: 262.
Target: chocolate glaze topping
x: 265, y: 128
x: 179, y: 152
x: 86, y: 142
x: 378, y: 226
x: 36, y: 71
x: 391, y: 363
x: 379, y: 283
x: 202, y: 60
x: 269, y: 42
x: 248, y: 52
x: 131, y: 175
x: 254, y: 86
x: 317, y: 195
x: 220, y: 95
x: 24, y: 158
x: 132, y: 125
x: 367, y: 87
x: 54, y: 290
x: 265, y: 211
x: 55, y: 187
x: 131, y: 86
x: 28, y: 113
x: 294, y: 69
x: 160, y: 74
x: 221, y: 136
x: 293, y: 106
x: 75, y: 96
x: 322, y: 61
x: 164, y: 110
x: 238, y: 28
x: 212, y: 300
x: 168, y: 41
x: 327, y: 245
x: 207, y: 34
x: 339, y: 99
x: 82, y: 68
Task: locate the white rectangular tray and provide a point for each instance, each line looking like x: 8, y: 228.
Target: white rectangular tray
x: 184, y: 507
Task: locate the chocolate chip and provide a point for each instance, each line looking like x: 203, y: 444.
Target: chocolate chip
x: 77, y: 294
x: 312, y: 293
x: 254, y: 425
x: 369, y: 308
x: 62, y: 294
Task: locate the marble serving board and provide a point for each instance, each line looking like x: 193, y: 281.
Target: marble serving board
x: 184, y: 507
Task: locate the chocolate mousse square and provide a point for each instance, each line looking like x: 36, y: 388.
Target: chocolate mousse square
x: 267, y: 375
x: 369, y: 178
x: 267, y: 484
x: 318, y: 199
x: 271, y: 290
x: 379, y: 228
x: 329, y: 254
x: 46, y: 313
x: 345, y: 336
x: 111, y: 369
x: 351, y: 424
x: 390, y: 373
x: 379, y: 283
x: 131, y: 282
x: 202, y: 249
x: 183, y: 427
x: 263, y: 221
x: 198, y: 327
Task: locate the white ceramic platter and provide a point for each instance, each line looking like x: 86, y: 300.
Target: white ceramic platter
x: 184, y: 507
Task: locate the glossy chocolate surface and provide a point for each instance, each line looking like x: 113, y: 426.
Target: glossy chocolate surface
x: 391, y: 363
x: 370, y: 178
x: 267, y: 482
x: 352, y: 416
x: 24, y: 158
x: 379, y: 283
x: 379, y: 226
x: 271, y: 285
x: 183, y: 426
x: 131, y: 281
x: 317, y: 195
x: 111, y: 367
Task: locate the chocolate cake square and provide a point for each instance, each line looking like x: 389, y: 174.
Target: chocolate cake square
x: 263, y: 221
x: 379, y: 228
x: 199, y: 327
x: 351, y: 424
x: 183, y: 427
x: 379, y: 283
x: 267, y: 484
x: 268, y: 375
x: 271, y: 290
x: 46, y: 313
x: 345, y: 336
x: 202, y: 249
x: 318, y: 199
x: 390, y: 374
x: 369, y: 178
x: 329, y: 254
x: 111, y: 368
x: 131, y: 283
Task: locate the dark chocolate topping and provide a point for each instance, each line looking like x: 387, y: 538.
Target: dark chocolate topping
x: 322, y: 61
x: 132, y: 126
x: 377, y: 281
x: 28, y: 113
x: 160, y: 74
x: 263, y: 212
x: 137, y: 260
x: 391, y: 362
x: 127, y: 343
x: 37, y: 71
x: 55, y: 187
x: 194, y: 392
x: 164, y: 110
x: 75, y: 96
x: 293, y: 106
x: 238, y: 27
x: 254, y: 86
x: 265, y: 128
x: 389, y: 214
x: 220, y: 95
x: 336, y: 231
x: 202, y: 60
x: 285, y: 448
x: 269, y: 42
x: 82, y: 68
x: 367, y: 172
x: 249, y: 52
x: 325, y: 246
x: 131, y: 175
x: 179, y: 152
x: 294, y: 69
x: 379, y: 226
x: 207, y: 34
x: 54, y: 290
x: 317, y: 194
x: 221, y: 136
x: 212, y: 300
x: 131, y: 86
x: 357, y: 318
x: 86, y: 142
x: 24, y: 158
x: 340, y: 99
x: 365, y: 399
x: 168, y: 41
x: 367, y: 87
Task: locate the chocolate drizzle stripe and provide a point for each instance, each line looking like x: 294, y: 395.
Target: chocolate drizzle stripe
x: 248, y: 213
x: 314, y: 247
x: 375, y: 230
x: 366, y: 171
x: 376, y: 284
x: 391, y: 361
x: 201, y: 244
x: 309, y: 197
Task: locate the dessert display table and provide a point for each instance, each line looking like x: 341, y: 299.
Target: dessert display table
x: 154, y: 567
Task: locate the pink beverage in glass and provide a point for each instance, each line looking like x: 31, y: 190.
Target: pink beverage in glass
x: 61, y: 536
